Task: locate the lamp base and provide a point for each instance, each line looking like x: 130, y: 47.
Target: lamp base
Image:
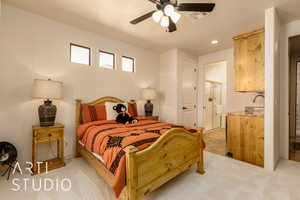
x: 148, y: 109
x: 47, y: 113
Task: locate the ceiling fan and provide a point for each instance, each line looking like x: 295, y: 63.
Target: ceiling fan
x: 166, y: 13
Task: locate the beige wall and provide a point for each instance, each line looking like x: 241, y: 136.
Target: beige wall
x: 35, y: 47
x: 168, y: 86
x: 272, y: 82
x: 287, y: 30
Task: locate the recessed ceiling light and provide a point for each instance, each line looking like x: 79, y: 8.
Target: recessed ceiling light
x: 214, y: 42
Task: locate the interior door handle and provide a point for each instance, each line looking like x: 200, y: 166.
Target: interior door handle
x: 184, y: 108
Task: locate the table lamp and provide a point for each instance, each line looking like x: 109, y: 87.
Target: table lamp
x: 47, y: 90
x: 148, y: 94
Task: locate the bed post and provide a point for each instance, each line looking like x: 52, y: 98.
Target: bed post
x: 200, y: 164
x: 77, y: 124
x: 131, y: 173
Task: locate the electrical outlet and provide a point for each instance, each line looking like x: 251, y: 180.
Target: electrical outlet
x: 66, y: 143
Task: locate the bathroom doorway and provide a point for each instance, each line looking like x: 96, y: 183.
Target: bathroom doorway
x: 213, y: 104
x: 215, y: 95
x: 294, y: 98
x: 214, y: 115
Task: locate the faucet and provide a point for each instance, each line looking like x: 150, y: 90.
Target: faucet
x: 259, y: 95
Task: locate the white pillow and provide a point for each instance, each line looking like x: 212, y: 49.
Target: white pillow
x: 111, y: 114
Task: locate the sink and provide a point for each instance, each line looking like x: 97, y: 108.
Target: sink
x: 254, y: 109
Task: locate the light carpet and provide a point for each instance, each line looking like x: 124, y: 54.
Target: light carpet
x: 225, y: 179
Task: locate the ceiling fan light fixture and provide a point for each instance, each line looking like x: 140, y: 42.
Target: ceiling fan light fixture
x: 164, y: 21
x: 169, y: 10
x: 166, y: 12
x: 175, y: 17
x: 157, y: 16
x: 214, y: 42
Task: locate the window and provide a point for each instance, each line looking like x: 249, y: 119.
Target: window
x: 127, y: 64
x: 106, y: 60
x: 80, y: 54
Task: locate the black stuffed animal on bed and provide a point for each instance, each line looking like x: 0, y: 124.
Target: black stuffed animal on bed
x: 123, y: 116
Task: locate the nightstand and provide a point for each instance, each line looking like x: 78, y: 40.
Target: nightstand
x: 152, y: 117
x: 2, y: 169
x: 43, y: 135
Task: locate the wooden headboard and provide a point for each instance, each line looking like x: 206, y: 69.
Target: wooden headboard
x: 102, y: 100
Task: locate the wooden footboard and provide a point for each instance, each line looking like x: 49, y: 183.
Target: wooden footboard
x: 170, y: 155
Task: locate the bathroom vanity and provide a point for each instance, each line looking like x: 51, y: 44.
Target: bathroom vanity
x: 245, y: 137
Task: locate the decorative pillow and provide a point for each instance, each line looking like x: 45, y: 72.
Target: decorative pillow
x: 111, y: 114
x: 132, y: 109
x: 93, y: 113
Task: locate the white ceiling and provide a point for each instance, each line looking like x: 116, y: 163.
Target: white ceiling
x: 111, y: 18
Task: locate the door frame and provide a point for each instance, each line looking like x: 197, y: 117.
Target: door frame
x: 201, y: 84
x: 293, y: 67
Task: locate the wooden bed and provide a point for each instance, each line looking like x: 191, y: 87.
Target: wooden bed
x: 146, y: 170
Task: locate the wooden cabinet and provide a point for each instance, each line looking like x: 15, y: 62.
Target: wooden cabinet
x: 245, y: 135
x: 249, y: 61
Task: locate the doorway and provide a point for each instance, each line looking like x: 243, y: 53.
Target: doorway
x: 214, y: 114
x: 213, y: 105
x: 294, y: 99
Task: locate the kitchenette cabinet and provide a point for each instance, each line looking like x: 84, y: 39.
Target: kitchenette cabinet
x: 245, y: 138
x: 249, y: 61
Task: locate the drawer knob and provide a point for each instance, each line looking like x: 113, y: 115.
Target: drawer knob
x: 49, y: 134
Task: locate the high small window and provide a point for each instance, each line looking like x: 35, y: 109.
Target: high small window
x: 106, y: 60
x: 80, y: 54
x: 127, y: 64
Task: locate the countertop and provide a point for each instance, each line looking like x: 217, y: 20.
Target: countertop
x: 243, y: 113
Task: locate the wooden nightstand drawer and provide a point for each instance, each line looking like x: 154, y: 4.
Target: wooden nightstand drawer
x: 49, y: 135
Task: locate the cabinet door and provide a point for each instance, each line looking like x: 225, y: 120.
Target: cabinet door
x: 234, y: 136
x: 246, y: 139
x: 256, y: 62
x: 249, y: 62
x: 248, y: 135
x: 240, y: 65
x: 259, y: 159
x: 253, y: 140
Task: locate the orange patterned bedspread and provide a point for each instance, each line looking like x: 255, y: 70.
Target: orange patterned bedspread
x: 108, y: 139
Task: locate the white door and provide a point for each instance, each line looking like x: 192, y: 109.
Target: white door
x: 188, y: 106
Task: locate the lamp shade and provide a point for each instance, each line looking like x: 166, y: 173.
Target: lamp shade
x: 148, y: 94
x: 47, y: 89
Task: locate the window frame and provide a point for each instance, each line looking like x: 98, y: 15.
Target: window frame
x: 81, y: 46
x: 110, y: 53
x: 133, y: 70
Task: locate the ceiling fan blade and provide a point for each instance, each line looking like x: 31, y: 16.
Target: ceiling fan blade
x: 142, y: 18
x: 172, y: 26
x: 196, y: 7
x: 155, y: 1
